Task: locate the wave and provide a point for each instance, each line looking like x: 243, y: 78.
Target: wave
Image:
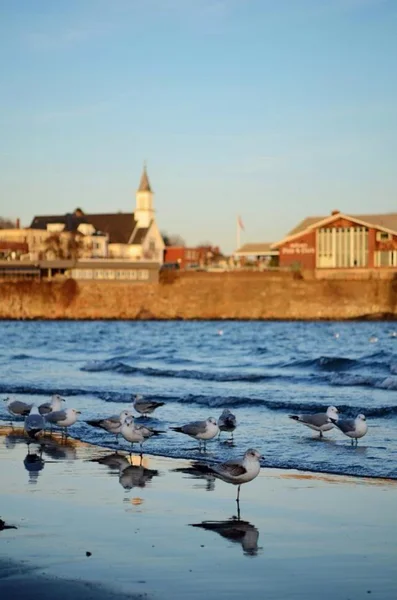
x: 211, y: 402
x: 116, y: 366
x: 355, y: 379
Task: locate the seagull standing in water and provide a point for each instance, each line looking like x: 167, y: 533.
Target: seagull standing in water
x: 200, y: 430
x: 34, y: 423
x: 111, y: 424
x: 353, y: 428
x: 54, y: 405
x: 145, y: 407
x: 63, y: 418
x: 321, y: 421
x: 131, y: 433
x: 17, y: 408
x: 235, y: 472
x: 227, y: 422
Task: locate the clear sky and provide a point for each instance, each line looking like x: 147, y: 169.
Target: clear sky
x: 274, y: 110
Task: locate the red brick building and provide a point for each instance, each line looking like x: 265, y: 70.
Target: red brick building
x: 188, y: 257
x: 341, y: 241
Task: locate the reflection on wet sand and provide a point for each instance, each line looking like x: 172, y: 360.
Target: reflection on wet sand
x: 33, y: 464
x: 130, y: 475
x: 54, y: 447
x: 196, y: 474
x: 235, y: 530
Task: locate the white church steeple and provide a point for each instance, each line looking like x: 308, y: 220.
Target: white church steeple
x: 144, y: 212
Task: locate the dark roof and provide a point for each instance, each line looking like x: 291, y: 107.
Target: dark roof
x: 139, y: 235
x: 118, y: 226
x: 144, y: 185
x: 388, y: 220
x: 70, y: 221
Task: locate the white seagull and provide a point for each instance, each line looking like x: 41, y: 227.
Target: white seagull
x: 353, y: 428
x: 131, y: 434
x: 237, y: 471
x: 63, y: 418
x: 321, y: 421
x: 111, y: 424
x: 200, y: 430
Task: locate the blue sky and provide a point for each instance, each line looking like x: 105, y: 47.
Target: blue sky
x: 271, y: 110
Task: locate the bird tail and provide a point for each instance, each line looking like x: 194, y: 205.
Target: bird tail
x: 294, y: 417
x: 159, y: 404
x: 157, y: 432
x: 178, y: 429
x: 93, y: 423
x: 334, y: 421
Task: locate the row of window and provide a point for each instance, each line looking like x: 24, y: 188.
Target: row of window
x: 129, y: 274
x: 342, y: 247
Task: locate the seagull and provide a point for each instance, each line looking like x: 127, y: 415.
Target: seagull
x: 111, y: 424
x: 227, y: 422
x: 353, y: 428
x: 131, y: 433
x: 63, y: 418
x: 237, y: 471
x: 34, y: 423
x: 145, y: 407
x: 54, y: 405
x: 373, y: 339
x: 17, y: 408
x: 319, y: 421
x: 200, y: 430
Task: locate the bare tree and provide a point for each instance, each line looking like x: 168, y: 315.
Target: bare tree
x: 173, y: 239
x: 6, y: 223
x: 63, y: 248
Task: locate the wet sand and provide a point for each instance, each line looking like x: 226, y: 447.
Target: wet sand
x: 157, y: 531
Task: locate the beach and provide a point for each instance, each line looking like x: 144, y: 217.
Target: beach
x: 93, y: 524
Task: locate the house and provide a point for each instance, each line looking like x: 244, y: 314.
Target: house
x: 261, y: 252
x: 132, y: 236
x: 341, y: 241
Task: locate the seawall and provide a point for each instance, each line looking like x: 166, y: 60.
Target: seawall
x: 202, y: 296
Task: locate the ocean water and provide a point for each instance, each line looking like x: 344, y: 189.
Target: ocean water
x: 262, y: 371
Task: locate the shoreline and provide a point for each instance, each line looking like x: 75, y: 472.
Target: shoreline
x: 158, y: 531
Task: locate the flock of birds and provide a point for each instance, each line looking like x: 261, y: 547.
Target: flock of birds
x: 236, y: 471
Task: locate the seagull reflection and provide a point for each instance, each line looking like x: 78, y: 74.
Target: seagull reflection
x: 116, y: 462
x: 134, y: 476
x: 196, y: 474
x: 59, y: 449
x: 130, y: 476
x: 33, y: 464
x: 235, y: 530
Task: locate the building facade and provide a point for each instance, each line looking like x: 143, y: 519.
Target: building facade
x: 341, y: 241
x: 126, y: 236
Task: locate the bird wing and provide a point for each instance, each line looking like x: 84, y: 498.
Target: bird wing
x: 318, y: 419
x: 346, y: 425
x: 54, y: 417
x: 195, y: 427
x: 20, y: 407
x: 232, y: 468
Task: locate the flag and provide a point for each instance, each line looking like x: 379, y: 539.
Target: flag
x: 240, y: 223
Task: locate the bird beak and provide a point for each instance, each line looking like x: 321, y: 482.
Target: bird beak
x: 78, y: 412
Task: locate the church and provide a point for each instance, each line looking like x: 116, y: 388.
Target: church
x: 129, y: 236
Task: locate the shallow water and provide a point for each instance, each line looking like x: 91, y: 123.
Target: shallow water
x: 262, y: 371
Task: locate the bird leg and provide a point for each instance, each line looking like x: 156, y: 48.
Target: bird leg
x: 321, y: 434
x: 238, y: 509
x: 238, y: 493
